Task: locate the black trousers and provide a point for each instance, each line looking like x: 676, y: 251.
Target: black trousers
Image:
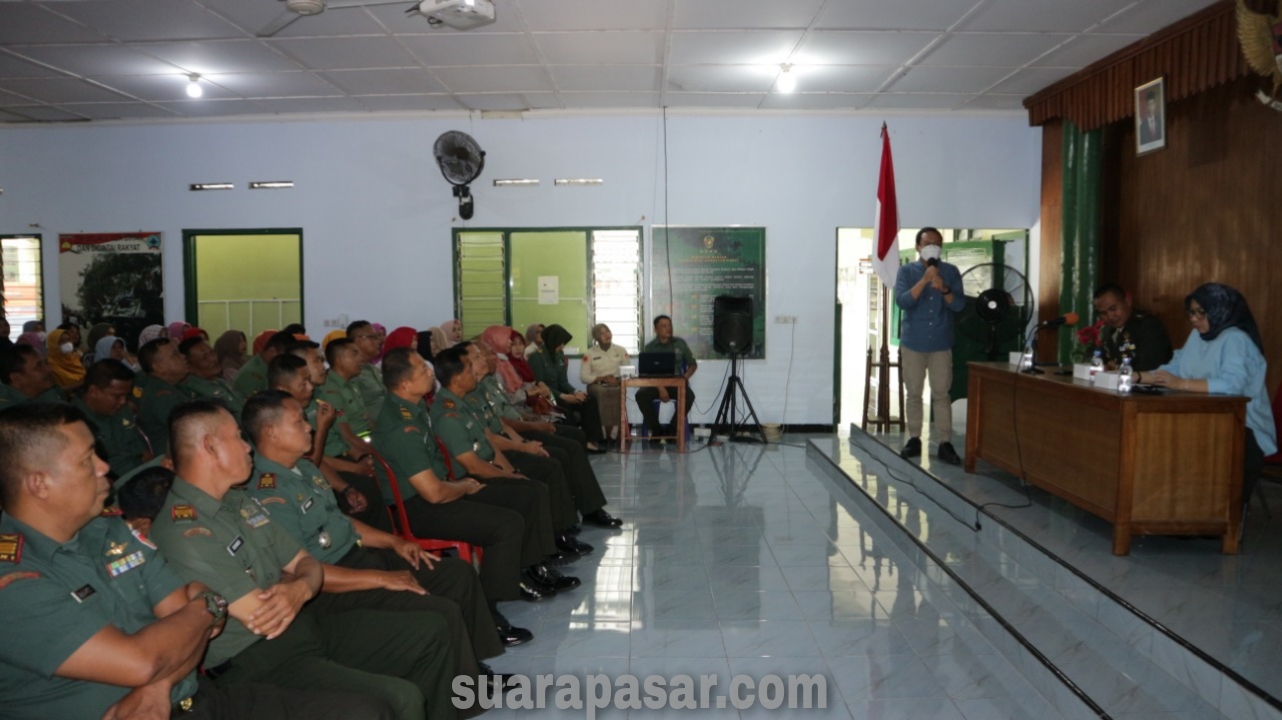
x: 268, y: 702
x: 645, y: 399
x: 1252, y: 465
x: 586, y: 416
x: 548, y: 472
x: 570, y: 452
x: 375, y: 513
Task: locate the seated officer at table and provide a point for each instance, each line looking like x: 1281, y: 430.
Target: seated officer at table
x: 25, y: 375
x: 212, y: 533
x: 95, y: 623
x: 206, y: 377
x: 364, y: 568
x: 1129, y: 332
x: 664, y: 341
x: 508, y: 521
x: 108, y: 384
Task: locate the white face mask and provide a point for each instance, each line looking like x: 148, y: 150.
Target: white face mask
x: 930, y: 252
x: 66, y: 348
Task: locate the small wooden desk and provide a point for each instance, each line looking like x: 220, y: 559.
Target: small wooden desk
x: 676, y: 382
x: 1150, y: 464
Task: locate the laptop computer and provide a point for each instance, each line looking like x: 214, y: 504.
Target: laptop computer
x: 656, y: 364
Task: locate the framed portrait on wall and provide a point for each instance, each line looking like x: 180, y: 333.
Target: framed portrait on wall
x: 1150, y: 116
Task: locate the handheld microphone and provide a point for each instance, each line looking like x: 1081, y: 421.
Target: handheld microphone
x: 1069, y: 319
x: 933, y: 262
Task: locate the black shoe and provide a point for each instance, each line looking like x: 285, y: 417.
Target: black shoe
x: 511, y: 636
x: 532, y: 592
x: 560, y: 558
x: 948, y: 454
x: 498, y: 680
x: 549, y: 576
x: 567, y: 543
x: 912, y: 449
x: 598, y: 450
x: 603, y: 519
x: 574, y: 529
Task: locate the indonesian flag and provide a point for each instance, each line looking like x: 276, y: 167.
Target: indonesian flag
x: 885, y: 253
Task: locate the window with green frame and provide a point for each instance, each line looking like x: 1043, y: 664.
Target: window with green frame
x: 23, y: 281
x: 574, y: 277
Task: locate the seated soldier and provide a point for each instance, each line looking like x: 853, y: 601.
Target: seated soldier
x: 96, y: 624
x: 476, y: 444
x: 562, y: 442
x: 357, y: 494
x: 549, y: 365
x: 206, y: 377
x: 1129, y: 332
x: 26, y: 375
x: 352, y: 420
x: 165, y: 368
x: 364, y: 567
x: 508, y: 520
x: 108, y: 384
x: 212, y: 533
x: 252, y: 377
x: 665, y: 341
x: 368, y: 384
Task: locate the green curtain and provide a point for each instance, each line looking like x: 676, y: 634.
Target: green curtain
x: 1082, y: 160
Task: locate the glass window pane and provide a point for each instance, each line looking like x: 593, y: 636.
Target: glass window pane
x: 23, y: 282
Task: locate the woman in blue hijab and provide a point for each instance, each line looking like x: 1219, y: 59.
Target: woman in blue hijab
x: 1224, y: 354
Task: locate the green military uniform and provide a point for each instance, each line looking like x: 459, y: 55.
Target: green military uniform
x: 647, y: 396
x: 53, y: 601
x: 369, y: 386
x: 1143, y: 339
x: 119, y: 436
x: 503, y: 520
x: 549, y: 369
x: 348, y: 408
x: 234, y: 547
x: 159, y: 399
x: 10, y: 396
x: 300, y: 500
x: 216, y: 389
x: 251, y: 377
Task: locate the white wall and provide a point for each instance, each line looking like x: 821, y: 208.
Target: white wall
x: 376, y: 214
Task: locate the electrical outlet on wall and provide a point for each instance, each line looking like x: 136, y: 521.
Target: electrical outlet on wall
x: 785, y: 319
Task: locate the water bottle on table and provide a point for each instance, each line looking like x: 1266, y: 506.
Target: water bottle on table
x: 1097, y: 365
x: 1125, y: 376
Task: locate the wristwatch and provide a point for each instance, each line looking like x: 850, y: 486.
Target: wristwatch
x: 216, y: 605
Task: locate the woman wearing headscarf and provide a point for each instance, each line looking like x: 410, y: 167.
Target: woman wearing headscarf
x: 380, y: 333
x: 176, y: 330
x: 515, y: 370
x: 499, y: 339
x: 64, y: 356
x: 600, y: 372
x: 231, y: 348
x: 96, y: 333
x: 533, y: 338
x: 548, y: 363
x: 453, y: 331
x: 151, y: 332
x: 110, y: 347
x: 440, y: 340
x: 35, y: 340
x: 401, y: 337
x: 260, y: 340
x: 1224, y: 354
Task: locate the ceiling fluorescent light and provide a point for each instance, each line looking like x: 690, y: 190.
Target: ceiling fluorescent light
x: 787, y: 81
x: 212, y: 186
x: 516, y: 182
x: 194, y: 90
x: 271, y: 185
x: 580, y: 181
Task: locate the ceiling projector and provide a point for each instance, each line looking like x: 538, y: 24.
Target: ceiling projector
x: 458, y: 14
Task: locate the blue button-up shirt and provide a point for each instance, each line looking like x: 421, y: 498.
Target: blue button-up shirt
x: 927, y: 322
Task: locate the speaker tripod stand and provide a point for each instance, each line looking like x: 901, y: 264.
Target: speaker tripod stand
x: 728, y: 414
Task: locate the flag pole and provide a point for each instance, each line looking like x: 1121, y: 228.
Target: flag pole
x: 886, y: 254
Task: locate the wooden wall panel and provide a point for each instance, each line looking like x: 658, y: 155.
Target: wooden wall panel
x: 1052, y: 226
x: 1206, y: 208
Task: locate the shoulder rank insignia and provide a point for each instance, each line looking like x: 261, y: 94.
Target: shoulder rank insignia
x: 12, y: 577
x: 111, y: 511
x: 449, y: 404
x: 182, y: 513
x: 137, y: 392
x: 126, y: 422
x: 267, y: 481
x: 10, y: 547
x: 406, y: 413
x: 114, y: 549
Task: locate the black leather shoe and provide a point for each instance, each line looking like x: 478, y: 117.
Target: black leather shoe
x: 574, y: 529
x: 598, y: 450
x: 532, y: 592
x: 603, y: 519
x: 498, y: 680
x: 561, y: 558
x: 948, y: 454
x: 511, y: 636
x: 567, y: 543
x: 912, y: 449
x: 549, y: 576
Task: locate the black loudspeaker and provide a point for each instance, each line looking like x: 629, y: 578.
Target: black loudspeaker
x: 732, y: 324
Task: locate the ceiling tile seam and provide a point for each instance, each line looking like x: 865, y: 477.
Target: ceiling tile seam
x: 251, y: 36
x: 670, y: 12
x: 542, y: 60
x: 931, y: 47
x: 72, y: 76
x: 801, y: 42
x: 310, y: 71
x: 421, y: 64
x: 1029, y: 65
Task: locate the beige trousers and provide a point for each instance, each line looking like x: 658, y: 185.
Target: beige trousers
x: 915, y: 366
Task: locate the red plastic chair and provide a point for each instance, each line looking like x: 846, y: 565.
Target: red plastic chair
x: 401, y: 520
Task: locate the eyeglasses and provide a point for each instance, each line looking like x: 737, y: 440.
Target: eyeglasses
x: 1196, y: 313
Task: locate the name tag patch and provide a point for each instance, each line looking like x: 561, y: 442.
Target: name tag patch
x: 308, y: 505
x: 83, y: 593
x: 235, y: 546
x: 119, y: 567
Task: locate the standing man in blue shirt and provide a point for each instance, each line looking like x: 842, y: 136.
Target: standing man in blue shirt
x: 929, y: 292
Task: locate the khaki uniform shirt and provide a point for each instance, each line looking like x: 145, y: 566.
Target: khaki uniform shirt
x: 348, y: 408
x: 230, y: 545
x: 301, y: 501
x: 119, y: 435
x: 403, y: 436
x: 55, y: 597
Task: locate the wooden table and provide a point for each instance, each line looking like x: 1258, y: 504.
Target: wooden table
x: 1150, y: 464
x: 676, y: 382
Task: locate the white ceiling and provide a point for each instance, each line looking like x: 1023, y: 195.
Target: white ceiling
x: 77, y: 60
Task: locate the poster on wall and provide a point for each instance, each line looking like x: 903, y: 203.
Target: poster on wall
x: 113, y: 278
x: 702, y: 263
